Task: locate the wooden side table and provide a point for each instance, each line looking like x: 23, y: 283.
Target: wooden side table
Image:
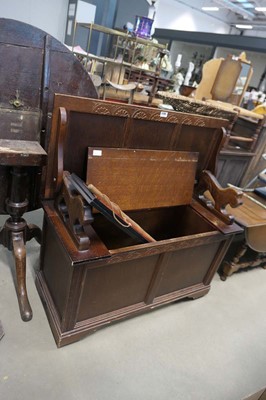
x: 251, y: 215
x: 20, y: 155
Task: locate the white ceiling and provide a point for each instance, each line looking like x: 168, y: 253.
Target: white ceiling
x: 233, y: 11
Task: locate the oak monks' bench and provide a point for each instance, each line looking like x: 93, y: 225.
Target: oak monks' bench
x: 99, y: 264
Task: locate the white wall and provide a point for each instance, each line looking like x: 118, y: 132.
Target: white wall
x: 48, y: 15
x: 173, y: 15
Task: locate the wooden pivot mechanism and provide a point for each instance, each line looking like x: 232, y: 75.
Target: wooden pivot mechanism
x: 20, y: 155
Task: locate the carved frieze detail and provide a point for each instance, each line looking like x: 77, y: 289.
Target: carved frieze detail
x: 140, y: 114
x: 111, y: 109
x: 144, y: 113
x: 101, y: 109
x: 121, y: 112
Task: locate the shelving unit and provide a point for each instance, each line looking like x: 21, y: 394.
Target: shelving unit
x: 121, y: 65
x: 122, y: 42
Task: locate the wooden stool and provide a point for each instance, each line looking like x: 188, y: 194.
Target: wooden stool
x: 20, y: 155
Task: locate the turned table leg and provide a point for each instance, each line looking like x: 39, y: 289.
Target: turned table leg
x: 229, y: 267
x: 232, y: 266
x: 16, y: 233
x: 19, y: 251
x: 13, y: 236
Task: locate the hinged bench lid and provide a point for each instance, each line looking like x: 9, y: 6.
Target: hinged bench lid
x: 139, y: 179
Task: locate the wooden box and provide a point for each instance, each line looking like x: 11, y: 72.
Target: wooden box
x: 92, y: 273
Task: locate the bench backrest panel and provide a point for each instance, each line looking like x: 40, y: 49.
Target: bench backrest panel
x: 92, y: 123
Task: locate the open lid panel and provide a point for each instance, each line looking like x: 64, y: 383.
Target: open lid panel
x: 139, y: 179
x: 79, y: 123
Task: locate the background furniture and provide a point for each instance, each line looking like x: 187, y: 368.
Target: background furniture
x: 127, y: 89
x: 119, y: 46
x: 194, y: 106
x: 123, y: 57
x: 225, y: 79
x: 103, y: 275
x: 249, y: 249
x: 241, y: 155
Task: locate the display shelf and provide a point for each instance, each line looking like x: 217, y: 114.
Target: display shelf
x: 124, y: 41
x: 117, y: 63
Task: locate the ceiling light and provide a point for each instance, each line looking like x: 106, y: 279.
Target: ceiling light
x: 260, y: 8
x: 239, y: 26
x: 247, y: 5
x: 210, y: 8
x: 236, y: 7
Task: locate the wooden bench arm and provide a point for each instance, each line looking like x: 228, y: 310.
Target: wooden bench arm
x: 216, y: 198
